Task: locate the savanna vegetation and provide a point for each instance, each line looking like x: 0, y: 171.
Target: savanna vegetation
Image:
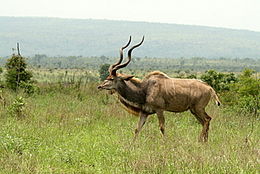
x: 63, y: 124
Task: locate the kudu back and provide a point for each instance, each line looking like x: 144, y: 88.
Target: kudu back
x: 157, y: 93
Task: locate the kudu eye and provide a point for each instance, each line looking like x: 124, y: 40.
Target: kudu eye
x: 110, y: 79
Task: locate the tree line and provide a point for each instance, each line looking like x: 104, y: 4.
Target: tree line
x: 195, y: 64
x: 237, y: 90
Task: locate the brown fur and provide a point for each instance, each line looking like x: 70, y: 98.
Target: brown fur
x: 157, y: 93
x: 156, y: 73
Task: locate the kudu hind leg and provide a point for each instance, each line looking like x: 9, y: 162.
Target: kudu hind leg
x: 204, y: 120
x: 206, y: 127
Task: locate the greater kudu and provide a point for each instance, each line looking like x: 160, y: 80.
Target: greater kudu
x: 157, y: 93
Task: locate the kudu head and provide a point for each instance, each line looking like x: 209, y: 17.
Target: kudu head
x: 114, y: 79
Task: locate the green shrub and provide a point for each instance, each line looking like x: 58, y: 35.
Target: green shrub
x: 248, y: 89
x: 219, y: 81
x: 192, y: 76
x: 103, y: 71
x: 16, y: 109
x: 16, y: 72
x: 29, y: 88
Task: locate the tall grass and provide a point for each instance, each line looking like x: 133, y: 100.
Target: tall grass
x: 85, y: 131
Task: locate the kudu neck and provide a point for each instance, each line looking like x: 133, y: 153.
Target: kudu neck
x: 131, y: 92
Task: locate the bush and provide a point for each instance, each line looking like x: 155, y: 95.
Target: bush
x: 248, y: 90
x: 103, y: 71
x: 1, y: 82
x: 29, y: 88
x: 243, y: 95
x: 16, y: 72
x: 219, y: 81
x: 17, y: 107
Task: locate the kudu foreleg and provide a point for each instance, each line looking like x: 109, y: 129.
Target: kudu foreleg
x: 161, y: 121
x: 140, y: 124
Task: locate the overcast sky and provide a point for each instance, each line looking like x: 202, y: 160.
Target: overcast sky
x: 237, y: 14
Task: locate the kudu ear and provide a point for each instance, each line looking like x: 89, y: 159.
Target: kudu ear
x: 127, y: 77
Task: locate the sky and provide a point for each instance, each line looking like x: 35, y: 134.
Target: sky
x: 235, y: 14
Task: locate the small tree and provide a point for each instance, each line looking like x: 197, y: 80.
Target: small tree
x: 1, y: 84
x: 16, y: 72
x: 219, y: 81
x: 103, y: 71
x: 248, y: 89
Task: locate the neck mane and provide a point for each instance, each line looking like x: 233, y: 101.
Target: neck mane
x: 132, y: 92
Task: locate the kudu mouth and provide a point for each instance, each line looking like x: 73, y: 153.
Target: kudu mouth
x: 100, y: 87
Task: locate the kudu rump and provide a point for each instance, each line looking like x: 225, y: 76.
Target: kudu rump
x: 157, y: 93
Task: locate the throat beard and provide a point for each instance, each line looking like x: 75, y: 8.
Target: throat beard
x: 134, y: 96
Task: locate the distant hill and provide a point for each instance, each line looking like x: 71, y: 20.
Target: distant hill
x: 88, y: 37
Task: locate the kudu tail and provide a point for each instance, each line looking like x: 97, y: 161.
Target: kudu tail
x: 215, y: 97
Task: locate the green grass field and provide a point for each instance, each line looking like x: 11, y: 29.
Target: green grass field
x: 86, y: 131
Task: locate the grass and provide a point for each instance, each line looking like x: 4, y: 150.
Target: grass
x: 84, y: 131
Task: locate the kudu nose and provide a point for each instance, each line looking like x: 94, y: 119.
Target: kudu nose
x: 99, y: 87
